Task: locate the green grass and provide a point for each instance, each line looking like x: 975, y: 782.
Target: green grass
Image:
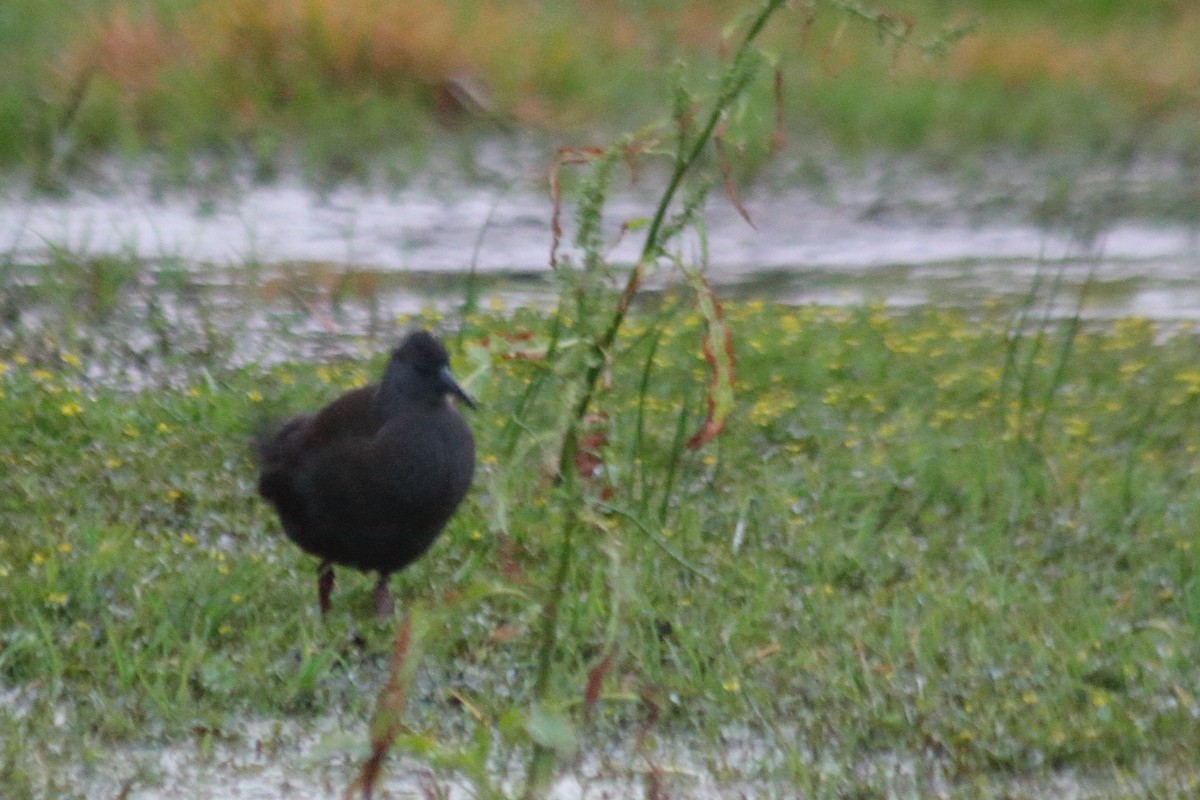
x: 923, y: 533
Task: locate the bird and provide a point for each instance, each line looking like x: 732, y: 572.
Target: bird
x: 370, y: 480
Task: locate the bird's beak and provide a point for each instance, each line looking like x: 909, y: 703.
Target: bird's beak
x: 451, y: 386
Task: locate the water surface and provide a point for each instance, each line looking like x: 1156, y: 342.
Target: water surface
x: 885, y: 233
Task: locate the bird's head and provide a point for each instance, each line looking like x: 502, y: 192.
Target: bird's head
x: 418, y: 372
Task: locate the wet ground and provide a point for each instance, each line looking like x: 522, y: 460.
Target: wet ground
x: 318, y: 760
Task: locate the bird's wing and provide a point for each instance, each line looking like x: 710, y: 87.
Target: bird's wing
x: 350, y: 416
x: 404, y: 473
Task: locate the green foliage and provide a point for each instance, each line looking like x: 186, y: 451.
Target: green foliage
x: 590, y: 315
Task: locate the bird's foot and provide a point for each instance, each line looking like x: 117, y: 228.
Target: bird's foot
x: 324, y: 585
x: 384, y: 607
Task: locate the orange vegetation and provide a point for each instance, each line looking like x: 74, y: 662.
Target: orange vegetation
x: 392, y: 41
x: 1152, y: 67
x: 523, y: 49
x: 530, y: 52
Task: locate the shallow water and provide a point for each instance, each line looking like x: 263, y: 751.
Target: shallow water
x: 319, y: 759
x: 882, y: 233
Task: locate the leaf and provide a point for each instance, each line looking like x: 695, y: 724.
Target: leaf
x: 727, y: 182
x: 636, y: 146
x: 500, y: 634
x: 779, y: 139
x: 718, y: 351
x: 479, y: 366
x: 565, y: 155
x: 512, y: 726
x: 551, y: 730
x: 595, y: 681
x: 518, y: 346
x: 386, y: 723
x: 589, y: 447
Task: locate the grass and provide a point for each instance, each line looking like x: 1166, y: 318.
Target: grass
x: 919, y: 535
x: 953, y: 542
x: 330, y: 87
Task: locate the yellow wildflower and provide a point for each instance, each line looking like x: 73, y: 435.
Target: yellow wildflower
x: 1190, y: 378
x: 1076, y: 427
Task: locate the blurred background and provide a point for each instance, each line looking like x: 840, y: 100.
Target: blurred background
x: 382, y: 152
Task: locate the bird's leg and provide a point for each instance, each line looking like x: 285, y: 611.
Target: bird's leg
x: 324, y: 585
x: 383, y: 598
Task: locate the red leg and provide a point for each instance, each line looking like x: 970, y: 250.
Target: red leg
x: 383, y: 598
x: 324, y: 585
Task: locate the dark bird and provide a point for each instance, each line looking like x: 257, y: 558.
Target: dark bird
x: 370, y: 480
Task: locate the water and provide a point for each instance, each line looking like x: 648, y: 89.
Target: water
x: 319, y: 759
x: 885, y: 234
